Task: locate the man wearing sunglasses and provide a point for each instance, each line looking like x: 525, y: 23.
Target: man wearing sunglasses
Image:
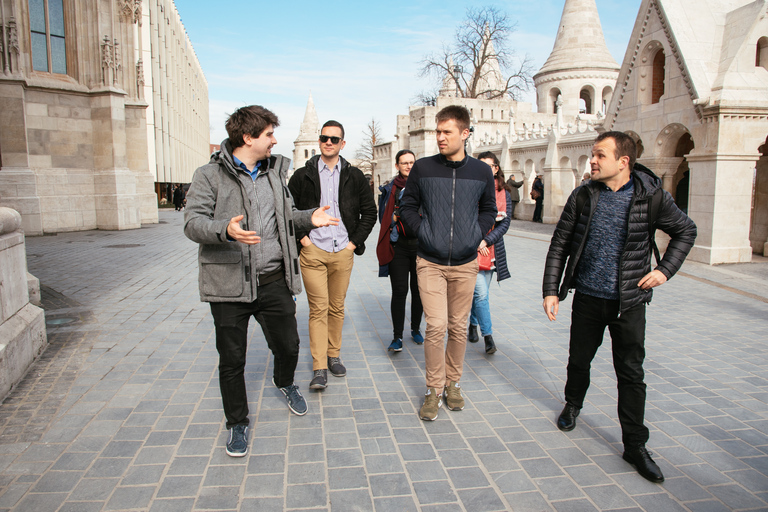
x: 240, y: 212
x: 327, y: 253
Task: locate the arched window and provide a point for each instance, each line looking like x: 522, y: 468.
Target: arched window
x: 657, y: 84
x: 761, y: 57
x: 47, y: 38
x: 306, y: 153
x: 553, y: 94
x: 585, y: 102
x: 313, y: 152
x: 607, y: 93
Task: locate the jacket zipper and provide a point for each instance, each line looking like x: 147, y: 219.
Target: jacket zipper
x: 621, y: 258
x: 453, y: 213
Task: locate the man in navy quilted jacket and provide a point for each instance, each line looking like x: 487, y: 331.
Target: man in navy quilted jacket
x: 456, y: 197
x: 605, y: 235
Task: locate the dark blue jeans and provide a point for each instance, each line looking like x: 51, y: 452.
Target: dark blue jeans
x: 275, y: 311
x: 590, y: 317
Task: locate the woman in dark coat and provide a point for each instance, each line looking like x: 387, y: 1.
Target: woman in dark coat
x: 481, y: 309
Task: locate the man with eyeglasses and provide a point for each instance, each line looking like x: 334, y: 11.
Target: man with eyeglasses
x: 327, y: 253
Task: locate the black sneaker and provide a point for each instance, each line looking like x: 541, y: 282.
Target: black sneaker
x: 320, y: 380
x: 296, y: 402
x: 640, y: 457
x: 336, y: 368
x: 237, y: 446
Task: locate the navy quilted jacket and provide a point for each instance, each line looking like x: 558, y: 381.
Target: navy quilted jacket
x: 458, y: 206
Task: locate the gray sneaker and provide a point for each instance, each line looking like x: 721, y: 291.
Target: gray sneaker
x: 296, y: 402
x: 237, y: 445
x: 336, y: 368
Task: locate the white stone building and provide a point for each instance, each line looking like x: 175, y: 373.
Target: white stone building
x: 692, y: 90
x: 99, y: 100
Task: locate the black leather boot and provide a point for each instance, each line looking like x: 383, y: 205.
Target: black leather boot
x: 472, y: 334
x: 490, y: 346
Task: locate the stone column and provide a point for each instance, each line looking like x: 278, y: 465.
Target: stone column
x: 558, y: 185
x: 723, y: 224
x: 117, y: 202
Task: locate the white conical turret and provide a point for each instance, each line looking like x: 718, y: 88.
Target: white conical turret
x: 579, y: 47
x: 310, y: 126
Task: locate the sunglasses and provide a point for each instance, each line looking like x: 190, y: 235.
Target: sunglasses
x: 334, y: 140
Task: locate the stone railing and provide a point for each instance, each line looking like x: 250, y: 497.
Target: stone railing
x: 22, y: 324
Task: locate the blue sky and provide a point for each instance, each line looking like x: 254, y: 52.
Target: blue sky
x: 359, y: 59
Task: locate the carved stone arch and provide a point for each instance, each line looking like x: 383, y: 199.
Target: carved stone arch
x: 651, y: 79
x: 607, y: 95
x: 582, y: 167
x: 761, y: 55
x: 554, y: 92
x: 587, y: 96
x: 638, y: 143
x: 668, y: 138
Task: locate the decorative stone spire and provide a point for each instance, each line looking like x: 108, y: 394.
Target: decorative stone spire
x: 491, y: 80
x: 580, y: 42
x: 448, y: 89
x: 310, y: 126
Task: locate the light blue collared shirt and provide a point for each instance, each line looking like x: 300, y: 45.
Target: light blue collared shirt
x: 330, y: 238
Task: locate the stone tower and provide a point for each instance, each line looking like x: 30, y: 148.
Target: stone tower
x: 580, y: 66
x: 305, y: 146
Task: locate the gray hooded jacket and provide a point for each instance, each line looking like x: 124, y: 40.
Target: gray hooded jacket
x: 217, y: 194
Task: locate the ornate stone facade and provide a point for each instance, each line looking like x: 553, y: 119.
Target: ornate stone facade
x: 699, y: 113
x: 76, y: 150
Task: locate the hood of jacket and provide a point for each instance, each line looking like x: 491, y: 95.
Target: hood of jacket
x: 646, y: 182
x: 275, y: 163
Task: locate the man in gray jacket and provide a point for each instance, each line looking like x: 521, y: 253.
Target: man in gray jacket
x: 241, y: 213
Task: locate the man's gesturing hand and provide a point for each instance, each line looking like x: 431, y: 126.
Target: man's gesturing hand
x: 551, y: 306
x: 652, y: 280
x: 238, y: 234
x: 320, y: 218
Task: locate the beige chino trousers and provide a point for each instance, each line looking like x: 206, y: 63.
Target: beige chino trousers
x: 446, y: 294
x: 326, y: 279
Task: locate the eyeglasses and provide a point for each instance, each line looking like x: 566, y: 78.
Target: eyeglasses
x: 334, y: 140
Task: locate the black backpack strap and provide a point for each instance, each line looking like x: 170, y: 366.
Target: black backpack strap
x: 653, y: 213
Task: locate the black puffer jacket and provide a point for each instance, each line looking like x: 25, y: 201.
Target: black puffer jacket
x: 569, y: 239
x: 358, y: 209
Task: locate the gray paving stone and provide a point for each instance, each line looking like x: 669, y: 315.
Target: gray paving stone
x: 130, y: 402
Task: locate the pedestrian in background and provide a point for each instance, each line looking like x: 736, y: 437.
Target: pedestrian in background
x: 396, y: 251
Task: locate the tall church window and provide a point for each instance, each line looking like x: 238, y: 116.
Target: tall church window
x: 306, y: 153
x: 553, y: 94
x: 657, y: 84
x: 46, y: 23
x: 761, y: 57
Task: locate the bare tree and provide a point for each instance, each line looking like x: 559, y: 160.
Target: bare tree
x: 371, y: 137
x: 468, y: 62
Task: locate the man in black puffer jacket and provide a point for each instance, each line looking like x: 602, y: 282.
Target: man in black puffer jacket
x: 605, y: 251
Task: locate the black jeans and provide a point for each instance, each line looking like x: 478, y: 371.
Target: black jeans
x: 401, y: 267
x: 538, y: 209
x: 275, y: 310
x: 590, y: 317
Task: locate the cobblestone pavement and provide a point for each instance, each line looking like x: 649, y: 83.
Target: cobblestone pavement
x: 122, y: 412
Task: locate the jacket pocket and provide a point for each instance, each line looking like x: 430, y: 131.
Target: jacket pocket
x: 221, y: 273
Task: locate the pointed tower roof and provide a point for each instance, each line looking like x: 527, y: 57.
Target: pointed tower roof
x: 310, y: 126
x: 580, y: 42
x: 490, y: 74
